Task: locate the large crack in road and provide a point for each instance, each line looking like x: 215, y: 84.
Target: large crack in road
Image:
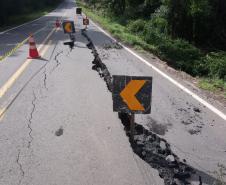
x: 149, y: 146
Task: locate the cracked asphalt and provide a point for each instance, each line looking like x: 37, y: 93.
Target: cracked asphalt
x: 59, y: 126
x: 195, y: 133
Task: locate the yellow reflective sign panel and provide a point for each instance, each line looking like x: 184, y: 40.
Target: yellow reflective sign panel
x: 69, y: 27
x: 132, y: 94
x: 85, y: 21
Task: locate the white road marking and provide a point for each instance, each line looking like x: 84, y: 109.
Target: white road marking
x: 19, y: 26
x: 28, y: 22
x: 195, y: 96
x: 2, y: 113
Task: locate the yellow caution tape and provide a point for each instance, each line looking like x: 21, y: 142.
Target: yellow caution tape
x: 12, y: 51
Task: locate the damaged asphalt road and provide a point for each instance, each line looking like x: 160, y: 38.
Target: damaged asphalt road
x: 147, y: 145
x: 189, y: 120
x: 55, y: 132
x: 60, y: 127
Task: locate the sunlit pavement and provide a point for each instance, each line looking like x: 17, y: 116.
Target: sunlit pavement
x: 58, y: 125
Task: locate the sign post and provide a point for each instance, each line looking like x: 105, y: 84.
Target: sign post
x: 132, y: 126
x: 85, y: 22
x: 69, y: 28
x: 132, y: 95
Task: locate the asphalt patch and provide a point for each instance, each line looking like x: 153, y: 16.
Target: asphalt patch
x: 59, y: 132
x: 112, y: 45
x: 194, y: 131
x: 188, y: 122
x: 192, y: 119
x: 197, y: 110
x: 156, y: 127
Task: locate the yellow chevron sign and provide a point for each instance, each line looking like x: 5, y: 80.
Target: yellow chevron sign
x: 128, y: 94
x: 68, y: 27
x: 132, y: 94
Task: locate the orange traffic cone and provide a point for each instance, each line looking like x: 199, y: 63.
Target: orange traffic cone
x: 33, y: 52
x: 57, y: 24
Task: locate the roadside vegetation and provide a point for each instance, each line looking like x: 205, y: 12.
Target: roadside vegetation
x: 15, y: 12
x: 189, y: 35
x: 220, y: 174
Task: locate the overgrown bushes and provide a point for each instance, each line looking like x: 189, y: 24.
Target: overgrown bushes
x: 152, y: 35
x: 136, y: 26
x: 216, y: 65
x: 178, y: 52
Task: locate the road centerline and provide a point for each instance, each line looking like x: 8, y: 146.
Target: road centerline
x: 9, y: 102
x: 21, y: 69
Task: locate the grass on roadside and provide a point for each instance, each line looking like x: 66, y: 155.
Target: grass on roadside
x: 213, y: 85
x: 178, y: 53
x: 117, y: 30
x: 220, y: 174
